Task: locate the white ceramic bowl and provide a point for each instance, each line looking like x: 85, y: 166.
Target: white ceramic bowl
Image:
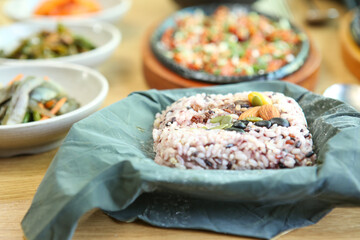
x: 112, y: 10
x: 87, y: 86
x: 105, y: 36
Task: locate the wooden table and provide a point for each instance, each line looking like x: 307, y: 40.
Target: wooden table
x: 20, y: 176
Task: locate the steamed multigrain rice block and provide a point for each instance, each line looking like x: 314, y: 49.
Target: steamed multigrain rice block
x: 248, y: 130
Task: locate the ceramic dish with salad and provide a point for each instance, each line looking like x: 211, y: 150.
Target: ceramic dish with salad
x: 229, y: 43
x: 39, y: 102
x: 81, y: 43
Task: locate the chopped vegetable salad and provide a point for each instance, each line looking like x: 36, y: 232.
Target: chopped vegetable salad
x: 230, y: 43
x: 31, y: 99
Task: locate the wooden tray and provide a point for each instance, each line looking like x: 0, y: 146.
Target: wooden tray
x: 349, y: 49
x: 159, y: 77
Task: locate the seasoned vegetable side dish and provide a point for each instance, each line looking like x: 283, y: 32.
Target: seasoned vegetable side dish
x: 230, y: 42
x: 67, y: 7
x: 31, y: 99
x: 248, y: 130
x: 46, y: 44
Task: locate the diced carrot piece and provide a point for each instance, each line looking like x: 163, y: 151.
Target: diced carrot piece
x: 48, y: 6
x: 167, y: 37
x: 58, y: 105
x: 194, y: 66
x: 232, y: 28
x: 44, y: 118
x: 15, y: 79
x: 228, y: 69
x: 49, y: 104
x: 56, y: 108
x: 178, y: 57
x: 67, y: 7
x: 274, y: 65
x: 41, y: 105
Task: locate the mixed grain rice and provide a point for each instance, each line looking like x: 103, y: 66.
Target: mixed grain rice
x: 182, y: 138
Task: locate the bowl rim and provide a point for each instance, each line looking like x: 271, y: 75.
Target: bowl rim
x: 286, y: 70
x: 110, y: 44
x: 119, y: 9
x: 82, y: 109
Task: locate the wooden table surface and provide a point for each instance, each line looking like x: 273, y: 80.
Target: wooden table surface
x: 20, y: 176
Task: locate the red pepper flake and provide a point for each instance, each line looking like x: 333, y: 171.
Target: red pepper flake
x: 291, y: 142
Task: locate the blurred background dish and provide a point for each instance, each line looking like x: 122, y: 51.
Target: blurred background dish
x: 110, y: 11
x: 317, y: 16
x: 355, y: 26
x: 264, y: 46
x: 349, y: 93
x: 161, y: 73
x: 67, y: 7
x: 86, y: 86
x: 187, y: 3
x: 349, y: 32
x: 103, y: 36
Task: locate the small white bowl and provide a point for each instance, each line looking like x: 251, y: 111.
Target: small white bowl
x: 105, y: 36
x: 87, y: 86
x: 112, y: 11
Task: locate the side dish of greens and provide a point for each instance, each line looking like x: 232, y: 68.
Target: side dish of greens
x: 47, y: 44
